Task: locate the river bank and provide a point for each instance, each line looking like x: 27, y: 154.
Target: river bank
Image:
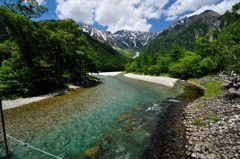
x: 9, y: 104
x: 212, y: 124
x: 166, y: 81
x: 170, y: 134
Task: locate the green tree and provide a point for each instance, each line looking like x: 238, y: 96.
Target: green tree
x: 28, y: 8
x: 154, y: 70
x: 233, y: 15
x: 229, y: 47
x: 14, y: 77
x: 206, y: 66
x: 163, y: 62
x: 186, y: 67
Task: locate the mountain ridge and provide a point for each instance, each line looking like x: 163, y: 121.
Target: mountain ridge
x: 123, y: 39
x: 185, y: 31
x: 126, y: 39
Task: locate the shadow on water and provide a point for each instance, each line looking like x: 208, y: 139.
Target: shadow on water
x: 168, y: 140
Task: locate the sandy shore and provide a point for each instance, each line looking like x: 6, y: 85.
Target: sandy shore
x: 166, y: 81
x: 107, y: 73
x: 8, y: 104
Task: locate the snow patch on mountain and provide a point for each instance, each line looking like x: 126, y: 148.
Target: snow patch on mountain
x: 122, y: 39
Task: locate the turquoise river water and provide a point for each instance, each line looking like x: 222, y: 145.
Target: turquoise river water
x: 117, y: 122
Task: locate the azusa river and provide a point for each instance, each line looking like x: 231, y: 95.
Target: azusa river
x: 121, y: 118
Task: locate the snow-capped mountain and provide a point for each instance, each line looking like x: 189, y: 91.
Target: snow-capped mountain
x: 132, y: 39
x: 100, y: 35
x: 123, y: 39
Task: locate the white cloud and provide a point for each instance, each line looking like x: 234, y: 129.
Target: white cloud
x: 114, y: 14
x: 79, y: 10
x: 182, y: 6
x: 220, y: 8
x: 134, y: 14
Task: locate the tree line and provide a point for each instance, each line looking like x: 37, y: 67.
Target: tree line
x: 37, y: 57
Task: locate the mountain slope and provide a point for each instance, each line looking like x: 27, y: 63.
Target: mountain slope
x: 185, y: 32
x: 108, y: 58
x: 122, y: 39
x: 132, y: 39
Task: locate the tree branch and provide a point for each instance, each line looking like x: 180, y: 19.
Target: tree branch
x: 232, y: 55
x: 7, y: 5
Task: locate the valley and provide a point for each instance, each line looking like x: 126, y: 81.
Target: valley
x: 79, y: 91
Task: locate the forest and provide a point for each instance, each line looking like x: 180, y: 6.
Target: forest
x: 38, y: 57
x: 217, y: 51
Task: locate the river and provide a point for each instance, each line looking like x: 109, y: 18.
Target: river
x: 116, y: 119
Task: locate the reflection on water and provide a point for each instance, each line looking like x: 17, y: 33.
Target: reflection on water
x: 119, y: 122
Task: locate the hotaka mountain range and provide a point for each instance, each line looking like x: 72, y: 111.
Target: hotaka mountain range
x: 183, y: 32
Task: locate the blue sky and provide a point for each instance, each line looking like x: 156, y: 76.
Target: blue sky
x: 143, y: 15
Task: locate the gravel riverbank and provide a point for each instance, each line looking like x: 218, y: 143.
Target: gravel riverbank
x: 213, y: 127
x: 9, y: 104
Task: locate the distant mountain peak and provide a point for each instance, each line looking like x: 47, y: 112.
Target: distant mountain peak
x: 124, y: 39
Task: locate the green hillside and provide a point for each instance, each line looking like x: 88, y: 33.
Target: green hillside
x: 37, y: 57
x: 184, y: 32
x: 194, y: 47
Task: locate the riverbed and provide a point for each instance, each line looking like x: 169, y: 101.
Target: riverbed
x: 117, y: 119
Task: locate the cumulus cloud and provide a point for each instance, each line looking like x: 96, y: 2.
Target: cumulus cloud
x: 114, y: 14
x: 134, y: 14
x: 79, y: 10
x: 220, y: 8
x: 183, y: 6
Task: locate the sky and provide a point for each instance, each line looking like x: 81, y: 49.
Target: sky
x: 142, y: 15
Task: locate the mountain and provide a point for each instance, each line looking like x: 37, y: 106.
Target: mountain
x: 123, y: 39
x: 108, y: 59
x: 185, y: 31
x: 100, y: 35
x: 132, y: 39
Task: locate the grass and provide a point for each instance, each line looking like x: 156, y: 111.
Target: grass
x: 199, y: 121
x: 193, y: 80
x: 214, y: 118
x: 198, y: 106
x: 213, y: 89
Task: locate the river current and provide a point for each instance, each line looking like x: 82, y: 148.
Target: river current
x: 115, y: 119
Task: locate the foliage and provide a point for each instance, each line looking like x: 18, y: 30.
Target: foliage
x: 229, y: 47
x: 186, y: 66
x: 28, y: 8
x: 14, y: 76
x: 216, y: 51
x: 39, y: 57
